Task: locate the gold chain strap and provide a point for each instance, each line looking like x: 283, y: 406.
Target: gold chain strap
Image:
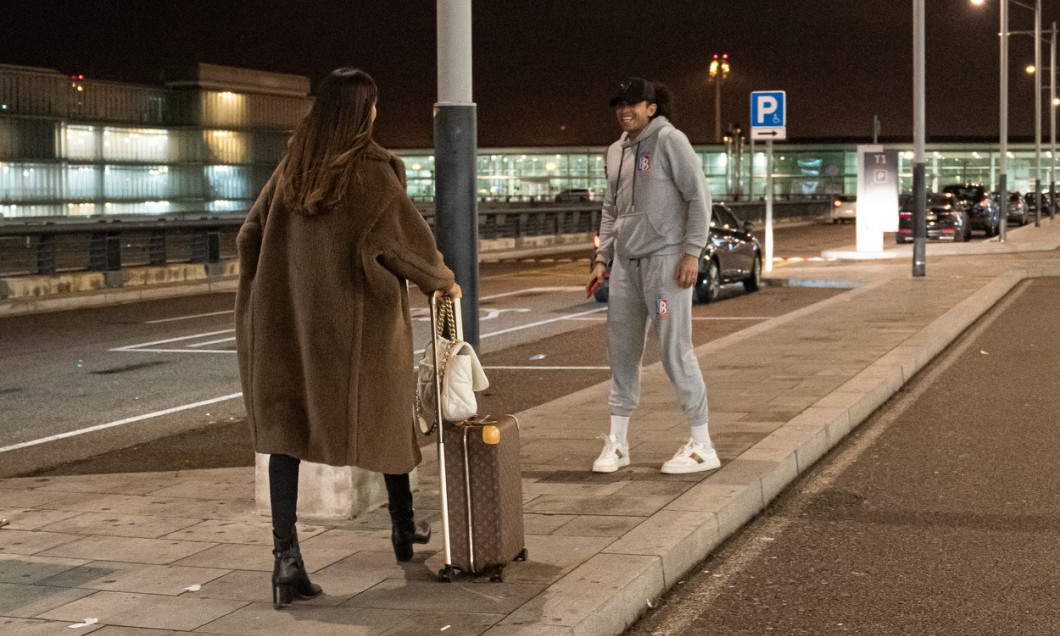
x: 446, y: 318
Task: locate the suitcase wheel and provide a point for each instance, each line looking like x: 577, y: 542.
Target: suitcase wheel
x: 497, y: 574
x: 521, y: 556
x: 446, y: 574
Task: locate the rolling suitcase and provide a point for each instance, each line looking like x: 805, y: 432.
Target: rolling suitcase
x: 481, y: 486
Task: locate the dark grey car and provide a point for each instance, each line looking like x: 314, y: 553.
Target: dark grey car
x: 732, y: 255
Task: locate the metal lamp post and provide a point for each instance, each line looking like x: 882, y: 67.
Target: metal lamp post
x: 1003, y: 179
x: 719, y: 70
x: 919, y: 134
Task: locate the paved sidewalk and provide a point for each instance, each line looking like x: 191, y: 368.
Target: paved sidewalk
x: 185, y: 552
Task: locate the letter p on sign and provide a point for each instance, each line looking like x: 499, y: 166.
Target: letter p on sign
x: 767, y: 105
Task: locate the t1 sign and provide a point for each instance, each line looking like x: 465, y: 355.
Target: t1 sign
x: 877, y: 196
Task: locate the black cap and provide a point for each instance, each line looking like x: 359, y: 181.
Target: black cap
x: 634, y: 90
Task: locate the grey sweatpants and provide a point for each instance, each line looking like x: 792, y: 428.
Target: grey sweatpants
x: 644, y: 290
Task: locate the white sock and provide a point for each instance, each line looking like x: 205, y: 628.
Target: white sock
x: 701, y: 434
x: 620, y: 428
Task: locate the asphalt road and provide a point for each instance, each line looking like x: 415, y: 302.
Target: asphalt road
x: 159, y: 378
x: 939, y: 515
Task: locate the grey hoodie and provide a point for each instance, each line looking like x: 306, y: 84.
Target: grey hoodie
x: 657, y: 200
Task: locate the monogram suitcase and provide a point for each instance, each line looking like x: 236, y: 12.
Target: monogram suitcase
x: 484, y: 496
x: 481, y: 485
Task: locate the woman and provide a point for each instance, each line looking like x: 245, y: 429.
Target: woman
x: 322, y: 315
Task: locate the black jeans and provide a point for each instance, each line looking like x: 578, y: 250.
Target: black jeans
x: 283, y: 494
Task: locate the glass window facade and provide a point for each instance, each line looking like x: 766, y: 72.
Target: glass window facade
x: 74, y: 147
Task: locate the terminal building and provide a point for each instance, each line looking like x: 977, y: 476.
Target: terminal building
x: 209, y: 137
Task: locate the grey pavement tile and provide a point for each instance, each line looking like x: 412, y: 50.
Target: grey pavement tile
x: 157, y: 506
x: 254, y: 531
x: 192, y: 487
x: 111, y: 630
x: 544, y: 523
x: 144, y: 610
x: 300, y: 619
x: 33, y: 518
x: 11, y: 497
x: 681, y: 539
x: 485, y: 597
x: 527, y: 630
x: 24, y: 569
x: 237, y: 556
x: 598, y: 526
x: 119, y: 525
x: 732, y: 504
x: 660, y: 486
x: 435, y: 623
x: 123, y: 483
x: 364, y: 570
x: 623, y: 506
x: 247, y: 586
x: 131, y: 549
x: 31, y: 541
x: 27, y: 601
x: 350, y: 540
x: 602, y: 590
x: 556, y: 487
x: 117, y: 576
x: 31, y: 627
x: 549, y: 558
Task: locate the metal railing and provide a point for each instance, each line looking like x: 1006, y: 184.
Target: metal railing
x: 56, y: 247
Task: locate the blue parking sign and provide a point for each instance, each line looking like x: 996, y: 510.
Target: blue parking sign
x: 769, y: 111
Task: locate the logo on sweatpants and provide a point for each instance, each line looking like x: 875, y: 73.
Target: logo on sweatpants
x: 661, y: 312
x: 644, y: 163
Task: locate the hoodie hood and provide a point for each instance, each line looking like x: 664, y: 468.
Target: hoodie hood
x: 654, y: 126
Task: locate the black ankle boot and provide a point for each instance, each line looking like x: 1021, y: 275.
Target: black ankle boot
x: 407, y: 532
x: 289, y: 578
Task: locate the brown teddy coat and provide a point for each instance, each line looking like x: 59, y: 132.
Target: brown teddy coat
x: 323, y: 329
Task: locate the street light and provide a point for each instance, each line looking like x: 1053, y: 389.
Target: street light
x: 719, y: 70
x: 1003, y: 124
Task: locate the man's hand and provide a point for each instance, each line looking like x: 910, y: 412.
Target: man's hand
x: 596, y: 278
x: 687, y: 271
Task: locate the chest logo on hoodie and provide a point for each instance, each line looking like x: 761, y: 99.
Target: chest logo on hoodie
x: 644, y: 163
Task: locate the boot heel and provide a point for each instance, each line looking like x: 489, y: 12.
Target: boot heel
x: 403, y: 551
x: 282, y: 594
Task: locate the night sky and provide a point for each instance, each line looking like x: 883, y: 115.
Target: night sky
x: 544, y: 70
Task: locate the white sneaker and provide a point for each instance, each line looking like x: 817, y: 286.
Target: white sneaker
x: 614, y: 456
x: 692, y: 458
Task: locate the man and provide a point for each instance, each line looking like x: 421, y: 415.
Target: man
x: 653, y: 228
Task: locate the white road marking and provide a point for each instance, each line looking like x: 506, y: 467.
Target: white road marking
x: 139, y: 347
x: 541, y: 322
x: 533, y: 368
x: 210, y: 342
x: 534, y: 290
x: 216, y: 313
x: 128, y: 420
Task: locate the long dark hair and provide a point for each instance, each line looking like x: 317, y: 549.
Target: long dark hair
x: 329, y: 142
x: 664, y: 101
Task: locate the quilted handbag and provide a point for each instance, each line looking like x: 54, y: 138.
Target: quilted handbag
x: 459, y: 375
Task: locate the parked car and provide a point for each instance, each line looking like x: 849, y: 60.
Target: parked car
x: 1032, y: 204
x: 1017, y: 208
x: 574, y: 195
x: 947, y: 218
x: 984, y: 213
x: 732, y: 255
x: 844, y: 208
